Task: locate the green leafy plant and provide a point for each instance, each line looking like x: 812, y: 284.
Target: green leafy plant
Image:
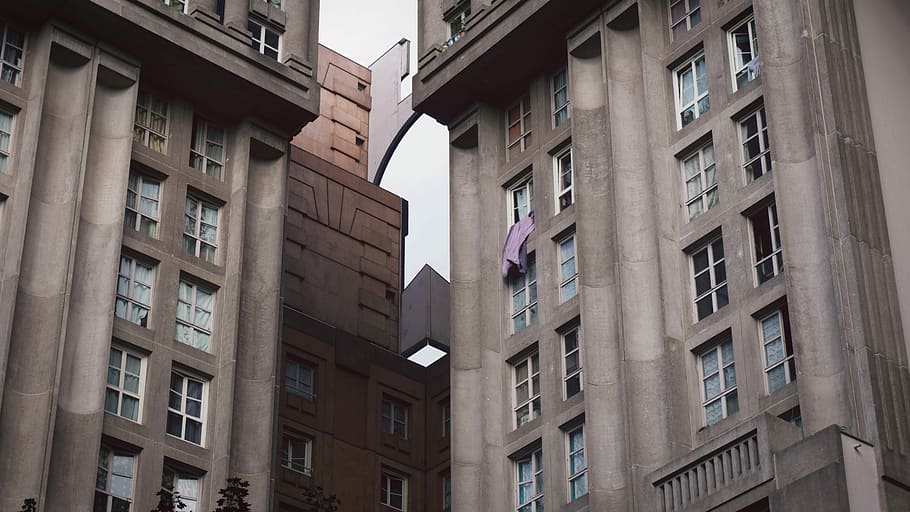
x: 316, y: 498
x: 233, y: 497
x: 29, y: 505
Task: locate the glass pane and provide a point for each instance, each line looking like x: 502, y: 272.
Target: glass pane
x: 194, y: 408
x: 175, y: 400
x: 726, y: 351
x: 714, y: 412
x: 722, y: 298
x: 732, y: 403
x: 131, y: 383
x: 573, y: 386
x: 704, y: 307
x: 771, y: 327
x: 133, y: 364
x: 777, y: 378
x: 730, y: 376
x: 130, y: 408
x: 774, y: 352
x: 700, y: 260
x: 702, y: 283
x: 194, y: 389
x: 572, y: 362
x: 709, y: 363
x: 712, y: 386
x: 576, y: 463
x: 193, y: 431
x: 111, y: 399
x: 174, y: 424
x: 113, y: 376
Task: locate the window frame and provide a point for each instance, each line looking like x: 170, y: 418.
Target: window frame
x: 687, y: 17
x: 535, y: 503
x: 297, y: 390
x: 16, y: 67
x: 174, y: 4
x: 558, y: 173
x: 526, y: 184
x: 446, y: 419
x: 564, y: 282
x: 6, y: 155
x: 446, y: 491
x: 788, y: 362
x: 108, y: 469
x: 195, y: 329
x: 705, y: 190
x: 174, y: 474
x: 775, y: 257
x: 394, y: 427
x: 528, y: 285
x: 260, y: 44
x: 138, y: 191
x: 733, y: 49
x: 558, y: 108
x: 132, y: 303
x: 764, y: 143
x: 120, y: 389
x: 143, y: 130
x: 182, y: 413
x: 523, y: 122
x: 578, y: 372
x: 461, y: 15
x: 288, y: 460
x: 691, y: 64
x: 712, y: 266
x: 198, y: 222
x: 726, y: 389
x: 201, y: 132
x: 582, y: 473
x: 385, y: 489
x: 532, y: 380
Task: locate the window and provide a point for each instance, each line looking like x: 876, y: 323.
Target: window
x: 565, y: 178
x: 521, y: 199
x: 13, y: 42
x: 114, y: 480
x: 394, y: 491
x: 298, y: 379
x: 571, y: 354
x: 179, y: 6
x: 744, y: 52
x: 524, y: 297
x: 578, y: 467
x: 766, y: 241
x: 710, y: 273
x: 295, y: 453
x: 194, y: 315
x: 264, y: 39
x: 684, y: 14
x: 184, y: 487
x: 207, y: 151
x: 518, y: 121
x: 186, y: 408
x: 529, y: 482
x: 457, y: 23
x: 143, y: 195
x: 793, y: 416
x: 395, y: 419
x: 568, y: 268
x: 276, y: 3
x: 527, y: 389
x: 125, y: 380
x: 150, y: 127
x: 446, y: 491
x: 691, y: 88
x: 780, y: 365
x: 753, y: 132
x: 718, y: 376
x: 134, y: 290
x: 560, y: 97
x: 700, y: 176
x: 446, y: 419
x: 200, y: 228
x: 6, y: 135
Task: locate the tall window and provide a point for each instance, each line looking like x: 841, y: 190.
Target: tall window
x: 691, y: 86
x: 186, y: 408
x: 524, y: 297
x: 13, y: 41
x: 766, y: 241
x: 518, y: 121
x: 578, y: 467
x: 298, y: 379
x: 684, y: 14
x: 6, y: 136
x: 394, y: 490
x: 150, y: 126
x: 194, y: 315
x: 446, y: 419
x: 565, y: 179
x: 780, y: 365
x: 264, y: 40
x: 134, y: 290
x: 521, y: 199
x: 718, y: 376
x: 200, y: 228
x: 395, y: 419
x: 143, y: 196
x: 529, y: 482
x: 700, y: 176
x: 125, y: 378
x: 572, y: 365
x: 710, y: 274
x: 753, y: 131
x: 446, y: 491
x: 207, y: 150
x: 114, y: 480
x: 183, y: 486
x: 527, y: 389
x: 744, y: 52
x: 560, y: 97
x: 568, y: 268
x: 179, y: 6
x: 295, y: 453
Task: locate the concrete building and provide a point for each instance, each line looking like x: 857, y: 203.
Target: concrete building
x: 144, y: 149
x: 711, y: 313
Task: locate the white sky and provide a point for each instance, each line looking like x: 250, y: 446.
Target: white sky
x: 362, y: 30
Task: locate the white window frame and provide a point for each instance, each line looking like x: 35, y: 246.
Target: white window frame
x: 763, y: 158
x: 129, y: 299
x: 578, y: 372
x: 120, y: 374
x: 516, y: 211
x: 572, y: 280
x: 11, y: 67
x: 203, y: 141
x: 290, y: 459
x: 776, y: 257
x: 178, y: 5
x: 135, y: 186
x: 532, y: 381
x: 176, y: 477
x: 715, y: 286
x: 562, y: 166
x: 691, y: 64
x: 195, y: 329
x: 143, y: 132
x: 728, y: 391
x: 524, y: 124
x: 110, y: 474
x: 708, y: 195
x: 738, y: 66
x: 385, y: 488
x: 560, y: 108
x: 686, y: 19
x: 182, y: 412
x: 788, y: 362
x: 299, y: 385
x: 525, y: 283
x: 461, y: 16
x: 534, y: 502
x: 581, y: 474
x: 447, y: 491
x: 210, y: 254
x: 258, y: 39
x: 392, y: 423
x: 6, y: 140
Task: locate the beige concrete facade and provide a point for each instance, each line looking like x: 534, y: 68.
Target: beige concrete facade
x: 732, y: 236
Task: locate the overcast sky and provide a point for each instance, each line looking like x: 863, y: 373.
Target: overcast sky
x: 362, y: 30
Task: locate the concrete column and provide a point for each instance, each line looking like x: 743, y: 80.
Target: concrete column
x: 236, y: 14
x: 300, y: 35
x: 80, y: 402
x: 259, y: 323
x: 44, y: 280
x: 606, y: 435
x: 820, y: 347
x: 466, y: 342
x: 639, y: 269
